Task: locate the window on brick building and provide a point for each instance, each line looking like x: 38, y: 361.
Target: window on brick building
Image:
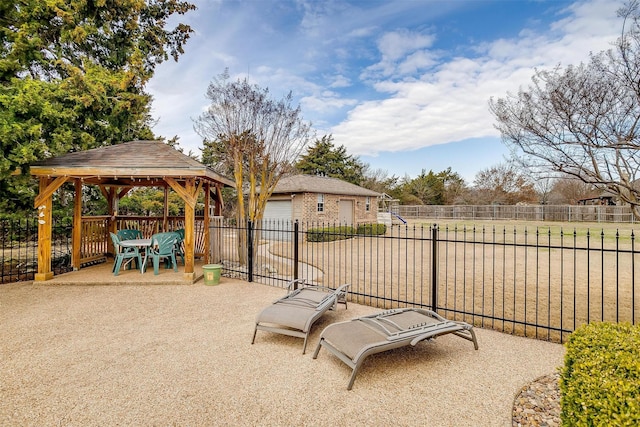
x: 367, y: 204
x: 320, y: 202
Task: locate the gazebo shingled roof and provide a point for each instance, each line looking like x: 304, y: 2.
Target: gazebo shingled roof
x: 116, y: 169
x: 146, y: 162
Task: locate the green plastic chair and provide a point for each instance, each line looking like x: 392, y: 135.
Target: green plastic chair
x: 163, y: 245
x: 180, y: 244
x: 129, y: 234
x: 122, y: 253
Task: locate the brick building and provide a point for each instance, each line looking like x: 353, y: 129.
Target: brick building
x: 322, y: 200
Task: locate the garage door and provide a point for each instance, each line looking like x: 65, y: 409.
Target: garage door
x: 276, y: 221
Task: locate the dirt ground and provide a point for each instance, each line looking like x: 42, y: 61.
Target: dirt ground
x: 143, y: 355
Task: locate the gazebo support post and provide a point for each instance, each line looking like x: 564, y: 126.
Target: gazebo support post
x: 188, y: 193
x: 111, y: 195
x: 218, y: 208
x: 189, y: 232
x: 165, y: 210
x: 207, y: 204
x: 76, y: 231
x: 43, y: 203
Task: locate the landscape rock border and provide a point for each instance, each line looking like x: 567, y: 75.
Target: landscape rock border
x: 538, y: 403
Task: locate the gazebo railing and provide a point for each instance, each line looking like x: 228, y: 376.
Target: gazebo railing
x: 95, y: 242
x: 95, y: 234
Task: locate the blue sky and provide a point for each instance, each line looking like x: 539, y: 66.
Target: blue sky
x: 402, y: 84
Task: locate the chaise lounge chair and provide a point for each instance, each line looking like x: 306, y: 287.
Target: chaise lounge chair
x: 295, y: 313
x: 353, y: 341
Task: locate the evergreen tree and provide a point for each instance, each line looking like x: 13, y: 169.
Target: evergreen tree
x: 431, y: 188
x: 72, y: 77
x: 323, y: 158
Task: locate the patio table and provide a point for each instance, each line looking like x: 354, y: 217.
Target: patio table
x: 140, y: 243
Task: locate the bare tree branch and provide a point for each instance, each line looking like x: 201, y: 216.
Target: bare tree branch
x: 252, y: 136
x: 582, y: 121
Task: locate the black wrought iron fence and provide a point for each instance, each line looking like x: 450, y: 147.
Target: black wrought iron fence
x: 532, y: 282
x: 19, y: 243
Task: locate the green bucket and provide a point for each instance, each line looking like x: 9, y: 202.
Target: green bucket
x: 212, y: 274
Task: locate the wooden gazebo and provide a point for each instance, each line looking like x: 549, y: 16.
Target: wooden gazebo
x: 116, y: 169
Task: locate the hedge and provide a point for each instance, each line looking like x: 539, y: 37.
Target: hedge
x: 330, y: 234
x: 600, y: 380
x: 371, y: 229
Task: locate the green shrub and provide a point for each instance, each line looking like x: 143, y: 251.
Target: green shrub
x: 371, y: 229
x: 600, y: 381
x: 329, y: 234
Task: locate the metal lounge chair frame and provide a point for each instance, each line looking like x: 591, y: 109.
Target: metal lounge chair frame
x: 295, y: 313
x: 354, y: 340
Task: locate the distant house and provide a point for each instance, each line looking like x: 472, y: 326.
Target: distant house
x: 606, y: 199
x: 321, y: 200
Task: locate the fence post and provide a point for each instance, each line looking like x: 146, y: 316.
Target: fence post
x: 434, y: 267
x: 250, y: 250
x: 296, y: 257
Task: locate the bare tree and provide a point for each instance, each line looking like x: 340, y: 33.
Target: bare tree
x: 252, y: 136
x: 570, y: 191
x: 503, y: 184
x: 582, y: 121
x: 378, y: 179
x: 544, y: 187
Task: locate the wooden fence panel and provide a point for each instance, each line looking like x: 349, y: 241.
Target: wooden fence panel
x: 563, y: 213
x: 95, y: 238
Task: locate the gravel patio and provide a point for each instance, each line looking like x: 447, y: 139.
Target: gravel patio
x: 180, y: 354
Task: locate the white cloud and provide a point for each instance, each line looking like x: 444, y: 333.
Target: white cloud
x: 326, y: 102
x: 340, y: 81
x: 402, y: 52
x: 450, y: 102
x: 396, y: 44
x: 361, y: 32
x: 417, y: 61
x: 410, y: 94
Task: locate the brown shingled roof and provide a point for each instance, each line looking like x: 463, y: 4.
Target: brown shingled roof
x: 136, y: 160
x: 320, y: 184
